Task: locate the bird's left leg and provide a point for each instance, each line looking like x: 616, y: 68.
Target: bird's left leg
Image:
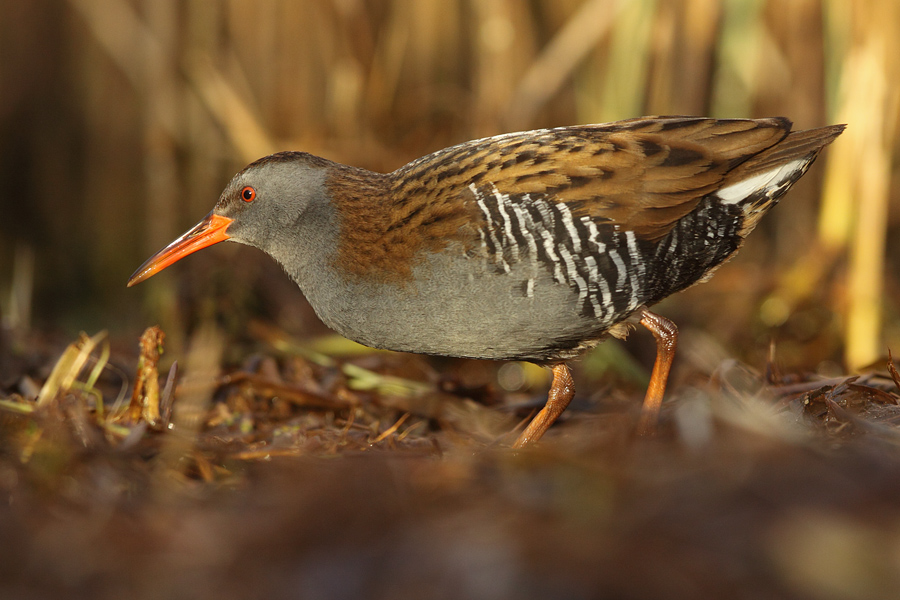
x: 666, y: 334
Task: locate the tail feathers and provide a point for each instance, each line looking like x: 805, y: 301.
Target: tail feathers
x: 797, y: 145
x: 758, y: 184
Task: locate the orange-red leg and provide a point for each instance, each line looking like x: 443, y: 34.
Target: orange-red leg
x: 666, y: 334
x: 561, y: 392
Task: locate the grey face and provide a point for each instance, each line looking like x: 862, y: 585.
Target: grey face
x: 277, y: 204
x: 271, y: 198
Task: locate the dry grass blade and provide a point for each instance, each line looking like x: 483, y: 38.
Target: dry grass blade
x: 165, y: 399
x: 68, y: 367
x: 19, y: 406
x: 102, y: 362
x: 391, y: 430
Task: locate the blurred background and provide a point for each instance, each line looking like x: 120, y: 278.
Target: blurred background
x: 122, y: 120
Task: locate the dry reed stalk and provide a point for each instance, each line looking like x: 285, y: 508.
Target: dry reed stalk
x: 856, y: 209
x: 557, y: 61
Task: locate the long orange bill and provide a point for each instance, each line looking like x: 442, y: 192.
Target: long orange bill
x: 209, y: 231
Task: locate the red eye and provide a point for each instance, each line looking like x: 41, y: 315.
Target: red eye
x: 248, y: 194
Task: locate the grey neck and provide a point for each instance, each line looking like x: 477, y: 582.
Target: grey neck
x: 306, y: 248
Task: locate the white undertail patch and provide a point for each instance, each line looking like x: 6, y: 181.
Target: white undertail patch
x: 771, y: 179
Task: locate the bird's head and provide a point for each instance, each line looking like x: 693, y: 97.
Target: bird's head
x: 265, y: 200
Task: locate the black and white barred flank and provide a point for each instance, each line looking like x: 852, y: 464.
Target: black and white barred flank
x: 612, y: 270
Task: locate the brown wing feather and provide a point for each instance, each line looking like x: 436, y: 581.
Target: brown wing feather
x: 641, y: 174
